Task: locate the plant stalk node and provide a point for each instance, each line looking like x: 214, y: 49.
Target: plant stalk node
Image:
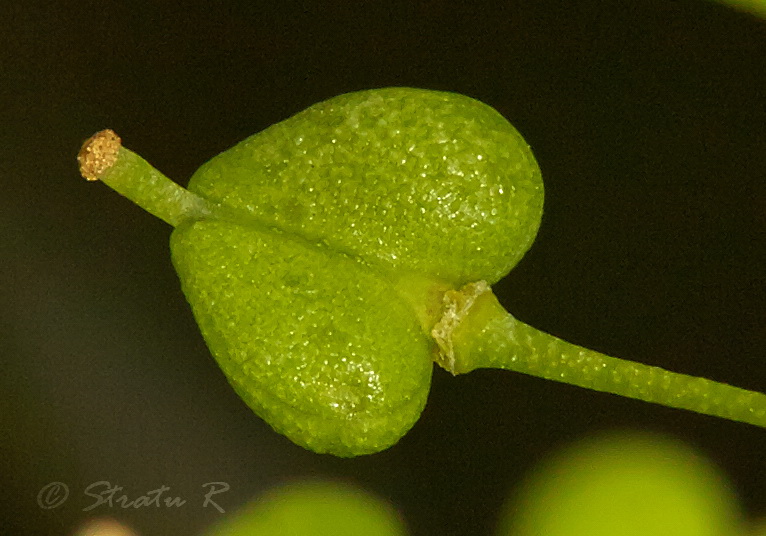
x: 456, y: 305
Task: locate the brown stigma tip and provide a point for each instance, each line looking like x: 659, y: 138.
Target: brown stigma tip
x: 98, y: 154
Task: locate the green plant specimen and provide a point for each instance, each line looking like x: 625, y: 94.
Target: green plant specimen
x: 332, y: 257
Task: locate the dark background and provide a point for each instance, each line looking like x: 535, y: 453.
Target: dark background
x: 648, y: 120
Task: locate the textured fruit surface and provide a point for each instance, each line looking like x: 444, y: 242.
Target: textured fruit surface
x: 430, y: 182
x: 317, y: 278
x: 316, y: 343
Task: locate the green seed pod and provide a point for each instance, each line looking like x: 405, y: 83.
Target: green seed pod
x: 338, y: 217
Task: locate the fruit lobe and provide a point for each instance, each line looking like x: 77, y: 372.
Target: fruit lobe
x: 316, y: 344
x: 429, y: 182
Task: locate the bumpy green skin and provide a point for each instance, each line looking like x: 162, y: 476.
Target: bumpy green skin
x: 429, y: 182
x: 316, y: 343
x: 306, y: 280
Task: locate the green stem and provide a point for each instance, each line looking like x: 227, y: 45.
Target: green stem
x: 103, y: 158
x: 489, y: 337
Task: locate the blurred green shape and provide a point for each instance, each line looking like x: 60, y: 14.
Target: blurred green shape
x: 624, y: 484
x: 756, y: 7
x: 758, y: 528
x: 314, y: 508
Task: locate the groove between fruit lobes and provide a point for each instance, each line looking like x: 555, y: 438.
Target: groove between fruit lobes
x: 429, y: 182
x: 317, y: 344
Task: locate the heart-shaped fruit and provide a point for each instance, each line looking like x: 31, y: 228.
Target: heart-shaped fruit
x: 339, y: 217
x: 315, y: 254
